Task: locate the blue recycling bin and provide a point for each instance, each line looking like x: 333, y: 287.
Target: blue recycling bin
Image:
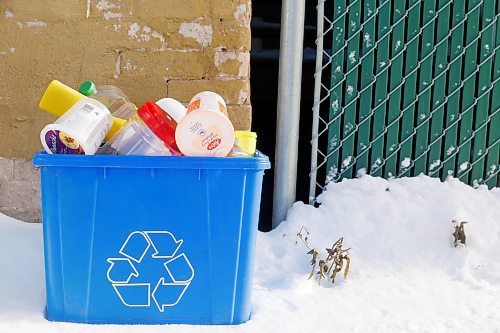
x: 149, y: 240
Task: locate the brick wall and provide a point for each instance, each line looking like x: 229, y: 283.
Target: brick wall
x: 149, y: 48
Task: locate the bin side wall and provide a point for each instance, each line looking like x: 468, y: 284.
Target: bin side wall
x: 210, y: 214
x: 150, y: 49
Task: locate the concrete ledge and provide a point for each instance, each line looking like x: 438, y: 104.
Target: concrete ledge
x: 19, y: 189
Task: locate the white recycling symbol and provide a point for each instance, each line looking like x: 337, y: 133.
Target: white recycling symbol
x: 162, y: 247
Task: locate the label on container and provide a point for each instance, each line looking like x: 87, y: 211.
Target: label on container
x: 62, y: 143
x: 207, y: 100
x: 222, y: 108
x: 204, y: 133
x: 207, y: 139
x: 151, y: 270
x: 84, y: 116
x: 194, y: 105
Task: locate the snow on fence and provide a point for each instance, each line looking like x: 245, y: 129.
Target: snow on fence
x: 405, y: 87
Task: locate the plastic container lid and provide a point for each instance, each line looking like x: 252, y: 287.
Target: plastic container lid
x: 174, y: 108
x: 87, y: 88
x: 160, y: 123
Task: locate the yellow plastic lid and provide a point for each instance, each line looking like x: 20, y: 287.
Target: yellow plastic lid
x: 245, y: 134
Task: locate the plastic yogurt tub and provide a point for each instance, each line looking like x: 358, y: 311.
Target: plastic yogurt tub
x: 80, y: 130
x: 205, y: 131
x: 208, y: 100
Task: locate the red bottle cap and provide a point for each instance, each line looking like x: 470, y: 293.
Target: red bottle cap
x: 161, y: 124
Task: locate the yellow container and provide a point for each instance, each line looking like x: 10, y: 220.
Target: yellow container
x: 246, y: 141
x: 59, y: 98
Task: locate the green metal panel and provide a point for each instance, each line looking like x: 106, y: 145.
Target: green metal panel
x: 365, y: 104
x: 424, y: 102
x: 396, y: 79
x: 454, y: 78
x: 481, y: 117
x: 492, y: 162
x: 410, y: 88
x: 415, y: 88
x: 337, y: 75
x: 439, y: 87
x: 469, y: 90
x: 381, y: 87
x: 351, y: 89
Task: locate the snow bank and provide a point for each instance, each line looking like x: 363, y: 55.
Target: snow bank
x: 405, y: 275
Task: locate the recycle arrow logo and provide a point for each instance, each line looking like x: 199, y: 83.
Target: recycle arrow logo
x: 163, y: 248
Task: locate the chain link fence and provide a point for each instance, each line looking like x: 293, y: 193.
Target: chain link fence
x: 404, y: 87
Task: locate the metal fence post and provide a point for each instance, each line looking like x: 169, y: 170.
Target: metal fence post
x: 289, y: 90
x: 317, y: 100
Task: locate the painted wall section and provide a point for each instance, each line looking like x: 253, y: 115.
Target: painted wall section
x: 149, y: 48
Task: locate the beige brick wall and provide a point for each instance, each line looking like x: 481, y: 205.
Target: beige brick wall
x: 149, y: 48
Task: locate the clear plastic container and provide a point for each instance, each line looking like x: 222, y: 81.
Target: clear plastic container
x: 149, y: 132
x: 112, y: 97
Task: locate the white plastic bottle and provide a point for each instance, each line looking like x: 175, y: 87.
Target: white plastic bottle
x: 111, y: 96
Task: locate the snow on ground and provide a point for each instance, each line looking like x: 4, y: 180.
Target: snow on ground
x: 405, y: 275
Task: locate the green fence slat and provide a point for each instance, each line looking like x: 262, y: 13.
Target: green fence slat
x: 485, y: 61
x: 454, y: 78
x: 424, y: 104
x: 382, y: 75
x: 439, y: 88
x: 415, y: 88
x: 365, y: 104
x: 395, y: 88
x: 410, y: 88
x: 493, y: 159
x: 337, y: 75
x: 468, y: 90
x: 351, y: 90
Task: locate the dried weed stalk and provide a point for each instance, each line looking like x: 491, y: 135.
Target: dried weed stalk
x: 333, y: 264
x: 459, y: 233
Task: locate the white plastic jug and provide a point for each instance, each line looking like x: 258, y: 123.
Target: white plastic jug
x: 80, y: 130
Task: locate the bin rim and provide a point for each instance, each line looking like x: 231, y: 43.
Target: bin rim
x: 259, y: 162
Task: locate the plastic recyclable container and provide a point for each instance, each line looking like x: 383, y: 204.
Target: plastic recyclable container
x: 80, y: 130
x: 111, y: 96
x: 59, y: 98
x: 208, y: 100
x: 149, y: 240
x: 206, y: 129
x: 174, y: 108
x: 150, y: 132
x: 244, y: 144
